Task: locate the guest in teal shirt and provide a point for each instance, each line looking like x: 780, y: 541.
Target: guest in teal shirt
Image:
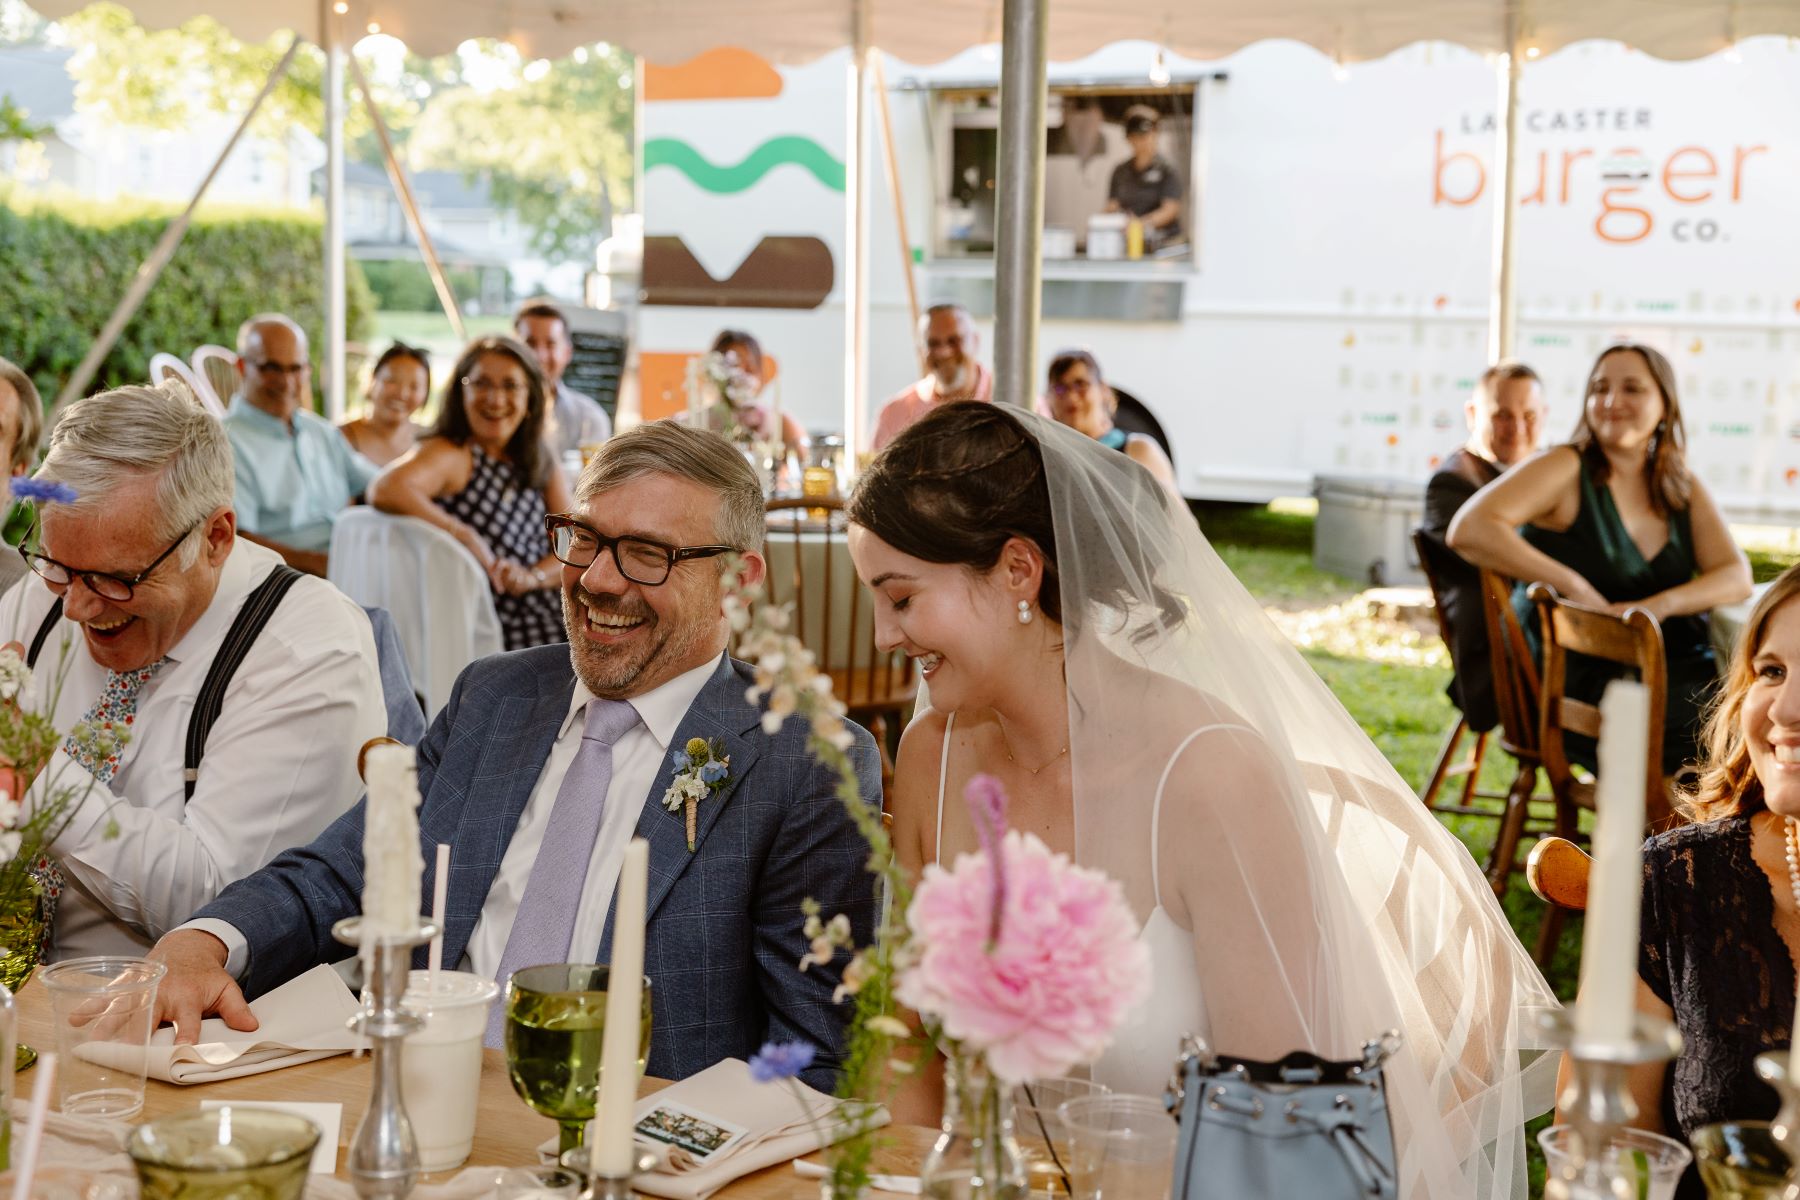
x: 295, y: 472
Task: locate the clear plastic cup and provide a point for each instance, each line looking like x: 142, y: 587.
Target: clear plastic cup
x: 1043, y: 1138
x: 1633, y: 1150
x: 440, y: 1066
x: 103, y: 1009
x: 1120, y: 1147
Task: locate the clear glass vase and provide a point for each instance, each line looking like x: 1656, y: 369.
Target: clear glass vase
x: 975, y: 1157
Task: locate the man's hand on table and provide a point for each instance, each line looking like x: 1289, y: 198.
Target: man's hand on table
x: 197, y: 985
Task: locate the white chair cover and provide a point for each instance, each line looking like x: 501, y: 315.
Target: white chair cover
x: 435, y: 591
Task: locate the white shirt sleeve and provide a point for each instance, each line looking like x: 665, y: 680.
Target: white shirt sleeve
x: 237, y: 946
x: 279, y: 767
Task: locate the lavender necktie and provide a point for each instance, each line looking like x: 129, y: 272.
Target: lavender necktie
x: 544, y: 925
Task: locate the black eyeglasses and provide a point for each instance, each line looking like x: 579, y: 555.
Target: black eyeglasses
x: 638, y: 559
x: 108, y: 587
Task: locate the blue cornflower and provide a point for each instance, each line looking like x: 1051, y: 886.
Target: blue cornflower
x: 781, y: 1060
x: 682, y: 761
x: 713, y: 772
x: 42, y: 490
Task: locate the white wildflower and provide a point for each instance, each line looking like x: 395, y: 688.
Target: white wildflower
x: 887, y: 1026
x: 15, y: 676
x: 9, y: 845
x: 771, y: 722
x: 9, y: 811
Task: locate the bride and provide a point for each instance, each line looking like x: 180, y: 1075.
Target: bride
x: 1083, y: 643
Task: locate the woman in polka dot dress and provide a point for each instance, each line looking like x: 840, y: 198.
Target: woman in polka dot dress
x: 485, y: 477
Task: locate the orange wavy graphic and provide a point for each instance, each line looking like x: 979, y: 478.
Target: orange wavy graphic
x: 724, y: 74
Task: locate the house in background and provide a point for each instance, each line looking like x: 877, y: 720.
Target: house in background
x: 470, y: 232
x: 99, y: 160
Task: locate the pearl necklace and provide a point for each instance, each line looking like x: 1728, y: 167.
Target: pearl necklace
x: 1793, y: 859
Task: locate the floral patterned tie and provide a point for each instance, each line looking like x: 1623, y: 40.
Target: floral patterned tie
x: 117, y: 704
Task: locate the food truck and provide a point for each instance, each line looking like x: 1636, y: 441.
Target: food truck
x: 1322, y: 310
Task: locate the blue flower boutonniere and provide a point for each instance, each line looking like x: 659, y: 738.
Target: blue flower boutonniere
x: 701, y: 768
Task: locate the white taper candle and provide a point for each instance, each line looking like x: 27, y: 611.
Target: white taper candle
x: 1609, y: 940
x: 392, y: 863
x: 613, y: 1154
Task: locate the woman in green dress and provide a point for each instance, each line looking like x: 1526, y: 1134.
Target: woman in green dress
x: 1614, y: 520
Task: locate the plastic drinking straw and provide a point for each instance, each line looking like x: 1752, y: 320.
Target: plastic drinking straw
x: 439, y: 889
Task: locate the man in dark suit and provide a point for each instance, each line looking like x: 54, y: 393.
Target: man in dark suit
x: 1504, y: 415
x: 545, y: 762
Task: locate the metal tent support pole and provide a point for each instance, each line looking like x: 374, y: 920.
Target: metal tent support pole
x: 878, y: 79
x: 166, y: 246
x: 1018, y: 270
x: 1503, y: 310
x: 856, y: 237
x: 404, y: 193
x: 331, y: 41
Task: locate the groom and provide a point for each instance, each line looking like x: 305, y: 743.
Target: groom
x: 545, y: 762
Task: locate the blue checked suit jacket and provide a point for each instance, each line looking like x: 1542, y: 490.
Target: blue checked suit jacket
x: 724, y: 942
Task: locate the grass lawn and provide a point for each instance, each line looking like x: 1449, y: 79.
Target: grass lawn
x: 1391, y: 678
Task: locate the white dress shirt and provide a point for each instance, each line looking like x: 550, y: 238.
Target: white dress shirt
x: 636, y: 758
x: 280, y: 762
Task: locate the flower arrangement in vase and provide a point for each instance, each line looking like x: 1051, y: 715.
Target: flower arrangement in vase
x: 1018, y: 963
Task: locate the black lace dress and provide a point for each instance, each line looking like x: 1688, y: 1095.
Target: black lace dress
x: 1710, y: 951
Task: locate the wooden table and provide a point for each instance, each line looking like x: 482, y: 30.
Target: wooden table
x: 507, y: 1133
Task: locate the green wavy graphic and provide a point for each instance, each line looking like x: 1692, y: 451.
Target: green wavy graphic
x: 800, y: 151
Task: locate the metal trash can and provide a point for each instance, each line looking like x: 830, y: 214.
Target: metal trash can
x: 1364, y: 529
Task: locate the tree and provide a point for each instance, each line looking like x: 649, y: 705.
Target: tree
x: 553, y: 141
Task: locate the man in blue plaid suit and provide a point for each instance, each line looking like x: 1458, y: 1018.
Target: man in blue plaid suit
x: 545, y: 762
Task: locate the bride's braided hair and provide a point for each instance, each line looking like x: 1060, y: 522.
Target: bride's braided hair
x: 955, y: 487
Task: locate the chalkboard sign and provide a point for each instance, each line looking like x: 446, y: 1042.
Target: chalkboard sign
x: 597, y: 365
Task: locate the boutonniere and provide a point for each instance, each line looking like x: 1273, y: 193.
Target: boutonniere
x: 701, y: 768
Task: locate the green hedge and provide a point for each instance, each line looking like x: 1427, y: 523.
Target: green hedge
x: 404, y: 285
x: 64, y: 265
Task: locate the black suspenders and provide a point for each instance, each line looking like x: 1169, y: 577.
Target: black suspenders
x: 255, y: 614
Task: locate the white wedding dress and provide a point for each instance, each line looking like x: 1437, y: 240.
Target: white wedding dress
x: 1143, y: 1053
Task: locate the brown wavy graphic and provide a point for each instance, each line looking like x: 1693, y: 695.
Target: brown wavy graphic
x: 782, y: 272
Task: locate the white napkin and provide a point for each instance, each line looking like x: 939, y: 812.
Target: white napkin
x: 781, y: 1122
x: 300, y: 1021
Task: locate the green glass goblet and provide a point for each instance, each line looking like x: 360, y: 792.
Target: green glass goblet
x: 555, y: 1029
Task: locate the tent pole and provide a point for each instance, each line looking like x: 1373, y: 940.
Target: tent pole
x: 856, y: 236
x: 408, y: 204
x: 331, y: 40
x: 1019, y: 216
x: 891, y: 158
x: 1503, y: 310
x: 166, y: 246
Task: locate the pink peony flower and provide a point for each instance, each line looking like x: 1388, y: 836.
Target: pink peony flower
x: 1067, y: 969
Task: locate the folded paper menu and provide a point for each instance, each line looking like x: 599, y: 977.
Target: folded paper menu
x: 721, y: 1125
x: 300, y: 1021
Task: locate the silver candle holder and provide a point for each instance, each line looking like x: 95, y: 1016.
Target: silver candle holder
x: 1785, y: 1129
x: 1598, y: 1101
x: 384, y: 1156
x: 606, y: 1187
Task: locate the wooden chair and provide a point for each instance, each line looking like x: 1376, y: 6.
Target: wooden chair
x: 1448, y: 766
x: 1633, y: 641
x: 1516, y: 697
x: 1558, y: 872
x: 835, y: 618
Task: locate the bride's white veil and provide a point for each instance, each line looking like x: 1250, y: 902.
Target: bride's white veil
x: 1326, y: 903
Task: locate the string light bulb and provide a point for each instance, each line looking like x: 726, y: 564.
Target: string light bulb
x: 1533, y: 51
x: 374, y: 26
x: 1159, y: 69
x: 340, y: 8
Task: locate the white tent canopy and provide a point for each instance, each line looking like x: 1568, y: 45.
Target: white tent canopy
x: 926, y: 31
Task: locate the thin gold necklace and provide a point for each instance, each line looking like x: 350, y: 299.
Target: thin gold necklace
x: 1006, y: 745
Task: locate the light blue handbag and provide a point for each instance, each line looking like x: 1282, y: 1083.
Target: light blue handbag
x: 1302, y: 1127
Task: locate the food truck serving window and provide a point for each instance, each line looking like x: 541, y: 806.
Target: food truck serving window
x: 1118, y: 177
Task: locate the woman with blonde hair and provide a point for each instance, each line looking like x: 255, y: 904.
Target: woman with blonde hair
x: 1720, y: 929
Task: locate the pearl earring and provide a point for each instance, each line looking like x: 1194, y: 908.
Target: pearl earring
x: 1024, y: 612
